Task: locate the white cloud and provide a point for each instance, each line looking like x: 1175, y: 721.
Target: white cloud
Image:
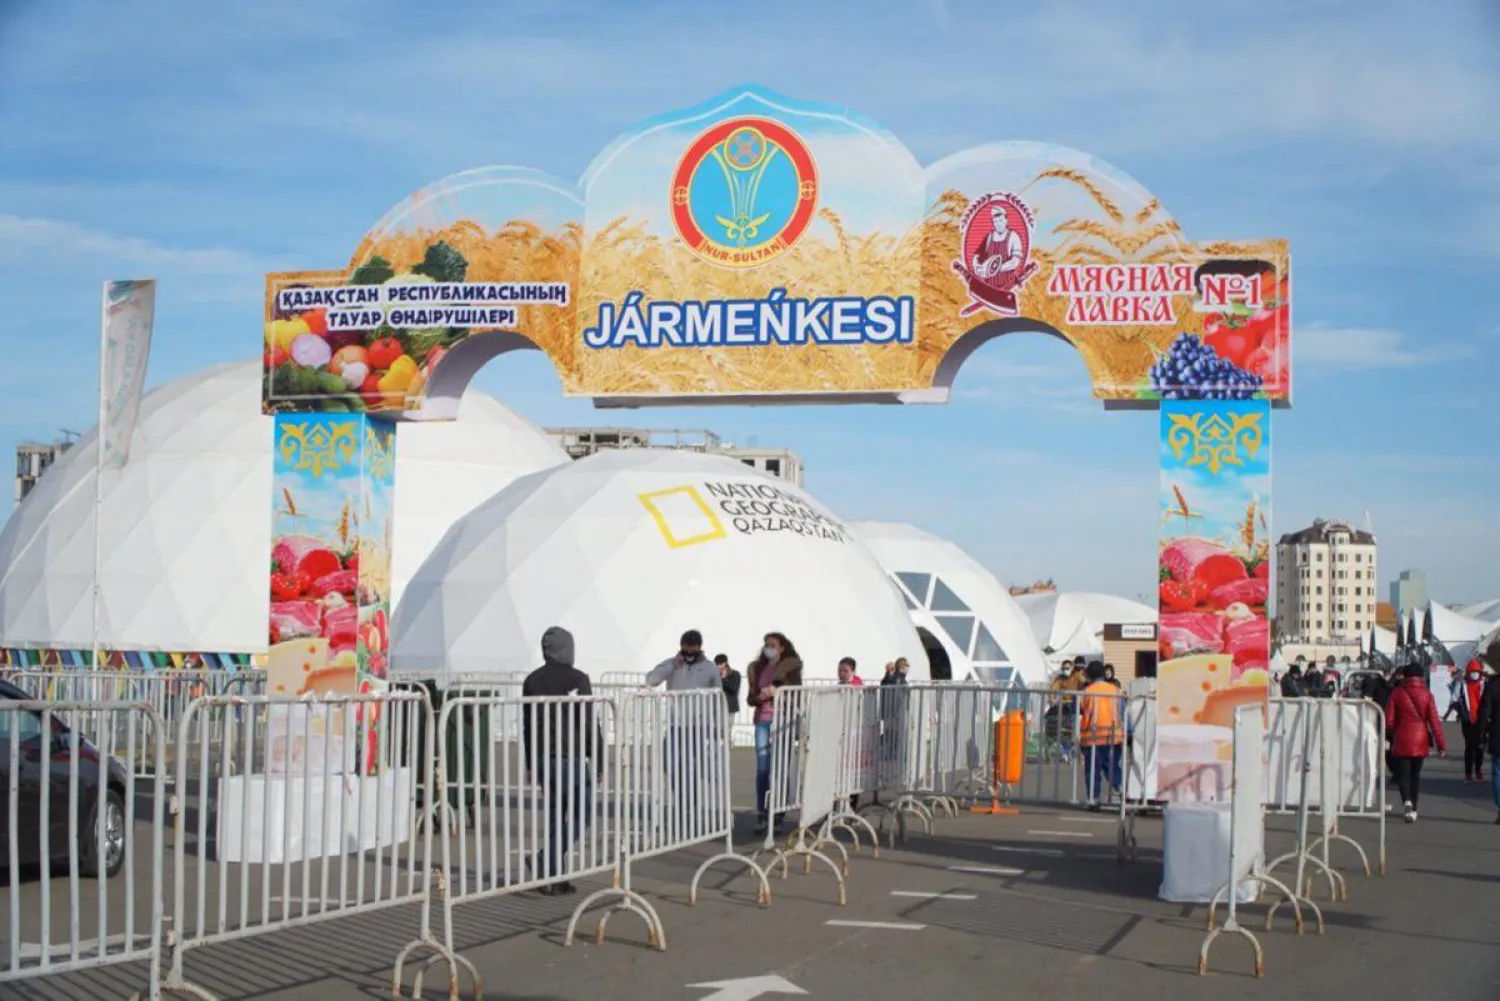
x: 1328, y: 346
x: 29, y: 240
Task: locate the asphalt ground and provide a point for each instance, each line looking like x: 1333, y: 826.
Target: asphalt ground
x: 1034, y: 906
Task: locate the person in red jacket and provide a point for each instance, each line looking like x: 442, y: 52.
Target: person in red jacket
x: 1411, y: 718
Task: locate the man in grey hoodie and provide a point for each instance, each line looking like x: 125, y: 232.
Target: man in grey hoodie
x: 688, y: 670
x: 563, y: 746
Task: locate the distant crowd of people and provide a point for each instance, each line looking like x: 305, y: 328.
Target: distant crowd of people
x: 1413, y: 726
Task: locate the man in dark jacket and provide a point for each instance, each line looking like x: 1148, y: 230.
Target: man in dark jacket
x: 1489, y: 724
x: 561, y: 741
x: 730, y: 679
x: 1291, y: 683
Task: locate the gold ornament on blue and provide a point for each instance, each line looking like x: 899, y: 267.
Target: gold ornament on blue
x: 1215, y: 441
x: 317, y: 447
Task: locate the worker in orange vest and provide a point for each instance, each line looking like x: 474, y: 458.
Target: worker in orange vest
x: 1101, y: 733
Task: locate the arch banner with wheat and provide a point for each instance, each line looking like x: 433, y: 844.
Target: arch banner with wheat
x: 1105, y: 268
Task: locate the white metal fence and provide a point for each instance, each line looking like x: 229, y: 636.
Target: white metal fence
x: 66, y: 804
x: 288, y: 812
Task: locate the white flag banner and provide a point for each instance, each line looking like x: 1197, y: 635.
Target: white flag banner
x: 129, y: 312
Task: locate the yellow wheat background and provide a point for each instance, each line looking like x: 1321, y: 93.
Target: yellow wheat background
x: 622, y: 257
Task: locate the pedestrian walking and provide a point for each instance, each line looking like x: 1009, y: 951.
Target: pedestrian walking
x: 1469, y: 701
x: 1411, y: 717
x: 564, y: 748
x: 1489, y: 722
x: 778, y: 666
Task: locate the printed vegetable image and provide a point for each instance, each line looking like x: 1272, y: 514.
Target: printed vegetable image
x: 317, y: 321
x: 384, y: 352
x: 281, y: 333
x: 1180, y: 596
x: 311, y: 351
x: 370, y: 391
x: 375, y: 271
x: 442, y: 264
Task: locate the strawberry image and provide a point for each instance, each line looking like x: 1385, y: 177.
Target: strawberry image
x: 287, y: 586
x: 316, y: 564
x: 1180, y: 596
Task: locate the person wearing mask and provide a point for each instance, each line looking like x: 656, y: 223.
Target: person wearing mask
x: 1064, y: 677
x: 1411, y: 718
x: 1489, y: 724
x: 1101, y: 734
x: 730, y: 679
x: 563, y: 747
x: 849, y: 673
x: 1470, y: 702
x: 1291, y: 683
x: 688, y: 670
x: 1109, y: 676
x: 778, y: 666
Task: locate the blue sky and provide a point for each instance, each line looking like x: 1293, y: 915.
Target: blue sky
x: 206, y: 144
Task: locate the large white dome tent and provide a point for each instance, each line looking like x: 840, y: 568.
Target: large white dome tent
x: 628, y: 549
x: 964, y: 614
x: 1069, y: 624
x: 187, y: 523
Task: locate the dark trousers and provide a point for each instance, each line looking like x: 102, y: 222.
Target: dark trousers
x: 1473, y: 752
x: 1409, y: 779
x: 568, y: 801
x: 1102, y: 764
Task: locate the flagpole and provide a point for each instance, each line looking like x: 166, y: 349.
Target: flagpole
x: 99, y: 437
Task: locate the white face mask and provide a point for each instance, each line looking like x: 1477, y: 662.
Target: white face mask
x: 771, y: 653
x: 1473, y: 675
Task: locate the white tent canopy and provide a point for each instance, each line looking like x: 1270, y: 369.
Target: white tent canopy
x: 1484, y: 611
x: 187, y: 522
x: 957, y: 602
x: 627, y: 550
x: 1452, y: 628
x: 1070, y: 624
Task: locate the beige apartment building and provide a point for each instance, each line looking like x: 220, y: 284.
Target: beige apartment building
x: 1326, y: 581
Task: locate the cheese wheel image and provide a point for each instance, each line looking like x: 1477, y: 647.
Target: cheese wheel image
x: 1218, y: 709
x: 334, y: 681
x: 290, y: 664
x: 1184, y: 684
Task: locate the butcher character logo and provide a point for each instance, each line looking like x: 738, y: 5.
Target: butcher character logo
x: 995, y: 259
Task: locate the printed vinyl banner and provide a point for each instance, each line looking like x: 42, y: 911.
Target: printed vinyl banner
x: 759, y: 247
x: 330, y: 553
x: 1215, y: 572
x: 129, y: 316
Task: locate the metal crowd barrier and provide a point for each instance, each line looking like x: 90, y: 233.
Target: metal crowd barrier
x: 1328, y: 755
x: 57, y: 924
x: 167, y: 691
x: 292, y: 812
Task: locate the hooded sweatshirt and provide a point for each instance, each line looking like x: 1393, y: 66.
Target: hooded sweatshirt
x: 567, y: 731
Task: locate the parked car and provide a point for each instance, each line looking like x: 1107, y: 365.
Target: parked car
x: 96, y: 851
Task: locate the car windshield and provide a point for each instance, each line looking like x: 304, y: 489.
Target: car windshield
x: 27, y: 724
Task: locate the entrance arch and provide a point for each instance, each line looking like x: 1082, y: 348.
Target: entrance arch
x: 704, y: 256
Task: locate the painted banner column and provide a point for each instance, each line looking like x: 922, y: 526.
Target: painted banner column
x: 333, y: 481
x: 1214, y: 586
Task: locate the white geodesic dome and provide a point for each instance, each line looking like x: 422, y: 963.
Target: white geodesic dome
x: 187, y: 522
x: 958, y: 602
x: 627, y: 550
